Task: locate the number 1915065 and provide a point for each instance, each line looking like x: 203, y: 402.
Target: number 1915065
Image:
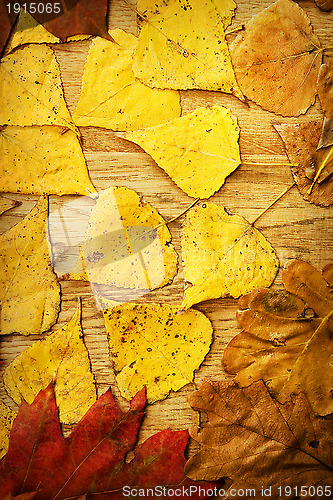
x: 34, y: 7
x: 305, y: 491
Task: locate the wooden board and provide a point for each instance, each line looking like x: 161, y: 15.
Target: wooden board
x: 295, y: 228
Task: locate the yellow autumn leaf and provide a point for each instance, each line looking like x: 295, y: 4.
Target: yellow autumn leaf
x: 182, y: 45
x: 198, y: 151
x: 7, y: 416
x: 112, y: 97
x: 127, y: 251
x: 61, y: 358
x: 28, y: 30
x: 29, y: 292
x: 223, y: 255
x: 31, y: 90
x: 156, y: 346
x: 43, y: 160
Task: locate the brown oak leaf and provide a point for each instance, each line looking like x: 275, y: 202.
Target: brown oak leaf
x: 287, y: 337
x: 263, y: 446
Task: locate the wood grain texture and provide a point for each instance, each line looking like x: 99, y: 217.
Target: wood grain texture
x: 295, y: 228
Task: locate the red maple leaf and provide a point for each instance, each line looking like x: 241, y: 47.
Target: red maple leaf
x: 91, y: 460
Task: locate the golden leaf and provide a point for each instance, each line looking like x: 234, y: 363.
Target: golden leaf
x: 286, y: 343
x: 156, y: 346
x: 223, y: 255
x: 43, y: 160
x: 7, y: 416
x: 61, y: 358
x: 312, y: 169
x: 182, y: 46
x: 248, y: 431
x: 277, y: 59
x: 29, y: 292
x: 31, y: 89
x: 198, y: 151
x: 111, y: 95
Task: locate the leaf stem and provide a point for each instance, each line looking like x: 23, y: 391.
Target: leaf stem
x: 234, y: 30
x: 183, y: 212
x: 321, y: 168
x: 285, y: 191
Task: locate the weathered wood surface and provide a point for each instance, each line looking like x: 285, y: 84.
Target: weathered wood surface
x: 295, y: 228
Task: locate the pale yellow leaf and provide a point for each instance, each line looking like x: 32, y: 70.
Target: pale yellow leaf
x: 182, y: 46
x: 112, y: 97
x: 223, y: 255
x: 31, y: 89
x: 198, y: 151
x: 29, y: 292
x: 156, y: 346
x: 61, y: 358
x: 43, y: 160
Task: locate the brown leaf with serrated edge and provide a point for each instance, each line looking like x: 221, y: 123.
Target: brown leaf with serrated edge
x: 311, y: 168
x: 287, y: 338
x: 259, y: 443
x: 277, y: 58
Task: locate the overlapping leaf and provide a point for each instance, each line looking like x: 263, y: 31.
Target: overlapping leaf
x: 311, y: 168
x: 277, y: 59
x: 31, y: 89
x: 198, y: 151
x: 325, y: 93
x: 90, y: 461
x: 223, y: 255
x: 111, y: 95
x: 60, y: 358
x: 154, y: 345
x: 287, y: 338
x: 126, y: 249
x: 29, y: 292
x: 43, y: 160
x: 249, y: 432
x: 182, y: 45
x: 28, y: 30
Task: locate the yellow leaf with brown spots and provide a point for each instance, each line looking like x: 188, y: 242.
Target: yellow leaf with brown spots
x: 182, y: 45
x: 61, y: 358
x: 31, y: 89
x: 156, y: 346
x: 43, y: 160
x: 7, y: 416
x: 198, y: 151
x: 223, y: 255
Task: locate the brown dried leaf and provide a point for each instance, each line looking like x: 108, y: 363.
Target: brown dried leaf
x: 325, y: 92
x: 287, y: 338
x: 249, y: 432
x: 277, y: 59
x: 311, y: 168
